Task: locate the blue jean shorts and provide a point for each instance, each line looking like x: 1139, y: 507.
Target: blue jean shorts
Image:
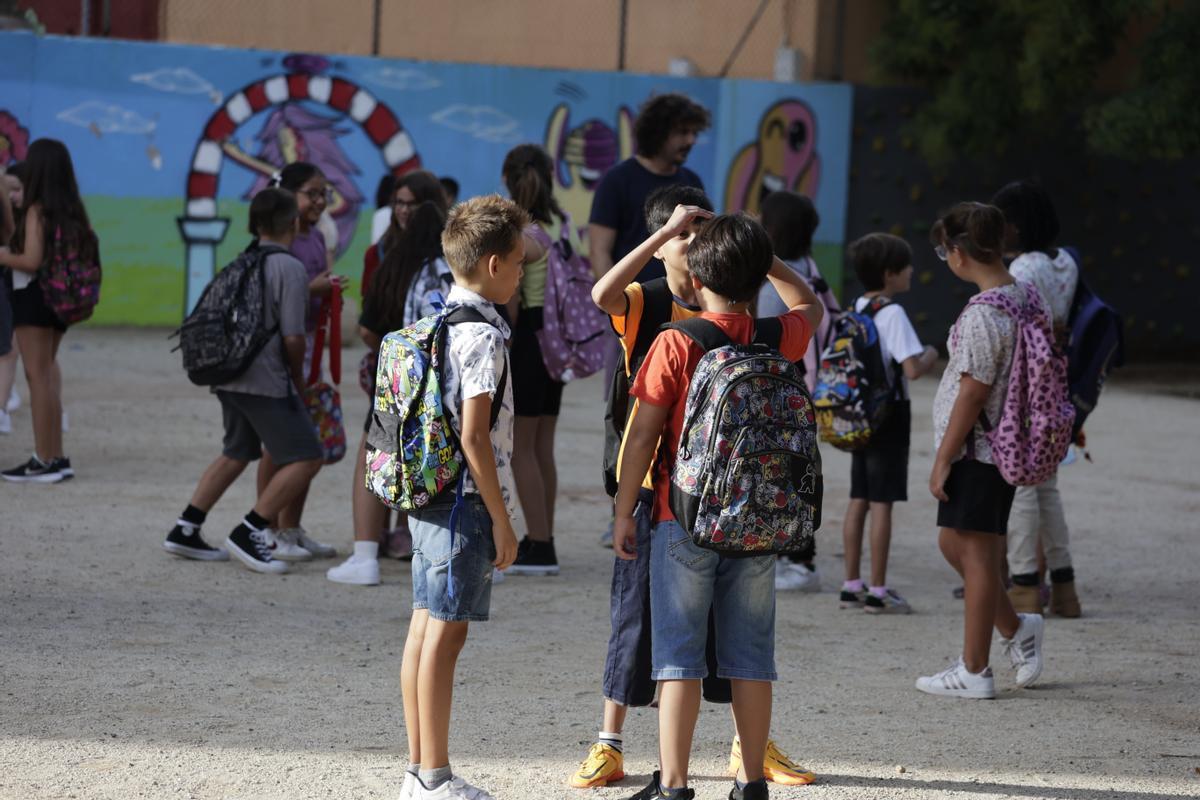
x: 685, y: 581
x: 467, y: 562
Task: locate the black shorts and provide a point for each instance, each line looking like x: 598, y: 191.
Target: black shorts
x: 29, y: 308
x: 535, y: 394
x: 6, y: 320
x: 979, y: 498
x: 879, y: 473
x: 280, y: 424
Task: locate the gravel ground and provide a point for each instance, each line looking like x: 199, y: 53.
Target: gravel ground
x: 128, y: 673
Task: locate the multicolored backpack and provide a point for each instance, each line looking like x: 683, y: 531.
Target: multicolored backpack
x: 413, y: 451
x: 70, y: 278
x: 853, y: 394
x: 747, y: 475
x: 574, y: 332
x: 1034, y: 431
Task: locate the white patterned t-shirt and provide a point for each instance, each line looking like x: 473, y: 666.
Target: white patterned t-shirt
x: 477, y: 359
x: 983, y: 348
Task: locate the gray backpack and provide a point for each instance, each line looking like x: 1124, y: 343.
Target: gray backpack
x: 227, y: 328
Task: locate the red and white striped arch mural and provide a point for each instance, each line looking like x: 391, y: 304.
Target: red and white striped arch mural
x: 201, y: 228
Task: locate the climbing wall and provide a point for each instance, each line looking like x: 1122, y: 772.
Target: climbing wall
x: 1135, y: 223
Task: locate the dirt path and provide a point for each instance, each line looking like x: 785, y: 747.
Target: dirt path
x: 127, y: 673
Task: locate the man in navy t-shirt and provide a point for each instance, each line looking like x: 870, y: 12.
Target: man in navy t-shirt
x: 666, y: 129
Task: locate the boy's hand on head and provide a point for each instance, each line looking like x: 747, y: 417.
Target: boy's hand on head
x: 683, y: 217
x: 506, y: 544
x: 625, y: 538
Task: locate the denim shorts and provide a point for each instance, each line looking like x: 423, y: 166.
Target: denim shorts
x: 627, y: 664
x: 685, y: 581
x: 467, y: 563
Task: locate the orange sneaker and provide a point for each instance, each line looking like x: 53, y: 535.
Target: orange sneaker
x: 603, y: 765
x: 777, y: 767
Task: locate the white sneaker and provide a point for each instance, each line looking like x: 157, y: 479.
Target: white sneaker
x: 14, y: 401
x: 790, y: 576
x: 1024, y: 650
x: 318, y: 549
x: 355, y: 571
x: 5, y: 423
x: 287, y: 545
x: 454, y: 789
x: 955, y: 681
x: 408, y: 789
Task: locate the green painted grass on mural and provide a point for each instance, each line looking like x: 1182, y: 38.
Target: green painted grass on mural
x: 143, y: 255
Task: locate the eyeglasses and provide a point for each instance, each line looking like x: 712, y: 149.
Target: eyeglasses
x: 317, y: 195
x: 406, y: 203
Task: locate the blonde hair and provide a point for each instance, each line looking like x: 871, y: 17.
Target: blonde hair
x: 481, y: 227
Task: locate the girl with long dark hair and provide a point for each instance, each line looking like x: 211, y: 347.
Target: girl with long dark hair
x: 411, y: 283
x: 53, y: 215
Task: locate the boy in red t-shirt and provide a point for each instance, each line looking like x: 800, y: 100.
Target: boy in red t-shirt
x: 728, y: 260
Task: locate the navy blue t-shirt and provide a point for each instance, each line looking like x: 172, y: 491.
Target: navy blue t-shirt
x: 620, y: 203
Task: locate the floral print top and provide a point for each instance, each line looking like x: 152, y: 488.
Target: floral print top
x: 983, y: 349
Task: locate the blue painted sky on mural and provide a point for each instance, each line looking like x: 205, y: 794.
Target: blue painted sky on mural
x: 132, y: 113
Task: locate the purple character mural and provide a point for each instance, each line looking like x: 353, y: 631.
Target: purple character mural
x: 583, y: 154
x: 293, y: 133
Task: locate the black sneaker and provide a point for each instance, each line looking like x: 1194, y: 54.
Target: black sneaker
x: 253, y: 549
x: 35, y: 471
x: 534, y: 558
x: 653, y: 791
x: 64, y: 466
x: 755, y: 790
x: 849, y: 599
x: 184, y: 540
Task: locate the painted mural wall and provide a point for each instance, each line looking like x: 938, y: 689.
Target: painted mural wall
x: 170, y: 142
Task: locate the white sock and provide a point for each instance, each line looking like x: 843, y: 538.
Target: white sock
x: 613, y: 740
x: 366, y: 550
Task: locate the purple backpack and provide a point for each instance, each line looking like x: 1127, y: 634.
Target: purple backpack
x: 573, y: 340
x: 1034, y: 430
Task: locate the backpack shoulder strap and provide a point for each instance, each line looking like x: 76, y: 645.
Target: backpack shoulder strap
x: 462, y: 314
x: 875, y: 305
x: 768, y: 331
x: 704, y: 333
x: 656, y: 312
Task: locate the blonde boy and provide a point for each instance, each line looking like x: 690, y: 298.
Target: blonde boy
x: 452, y: 570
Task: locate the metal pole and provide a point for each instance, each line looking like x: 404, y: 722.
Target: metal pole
x: 621, y: 36
x: 85, y: 17
x: 106, y: 18
x: 375, y: 31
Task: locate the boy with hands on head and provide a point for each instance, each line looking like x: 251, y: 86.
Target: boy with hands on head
x: 728, y: 260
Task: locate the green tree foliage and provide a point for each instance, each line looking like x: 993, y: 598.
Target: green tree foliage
x: 1160, y: 116
x: 1005, y: 72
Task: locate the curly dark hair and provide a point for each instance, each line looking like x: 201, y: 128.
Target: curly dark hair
x: 661, y: 115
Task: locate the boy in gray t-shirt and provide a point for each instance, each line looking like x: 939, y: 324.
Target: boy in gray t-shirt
x: 261, y: 407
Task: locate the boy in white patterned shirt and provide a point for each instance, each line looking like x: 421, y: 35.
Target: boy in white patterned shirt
x: 452, y: 580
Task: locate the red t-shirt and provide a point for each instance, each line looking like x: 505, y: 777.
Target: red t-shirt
x: 667, y: 372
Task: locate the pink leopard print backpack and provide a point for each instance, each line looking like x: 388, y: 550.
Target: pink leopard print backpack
x: 1034, y: 430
